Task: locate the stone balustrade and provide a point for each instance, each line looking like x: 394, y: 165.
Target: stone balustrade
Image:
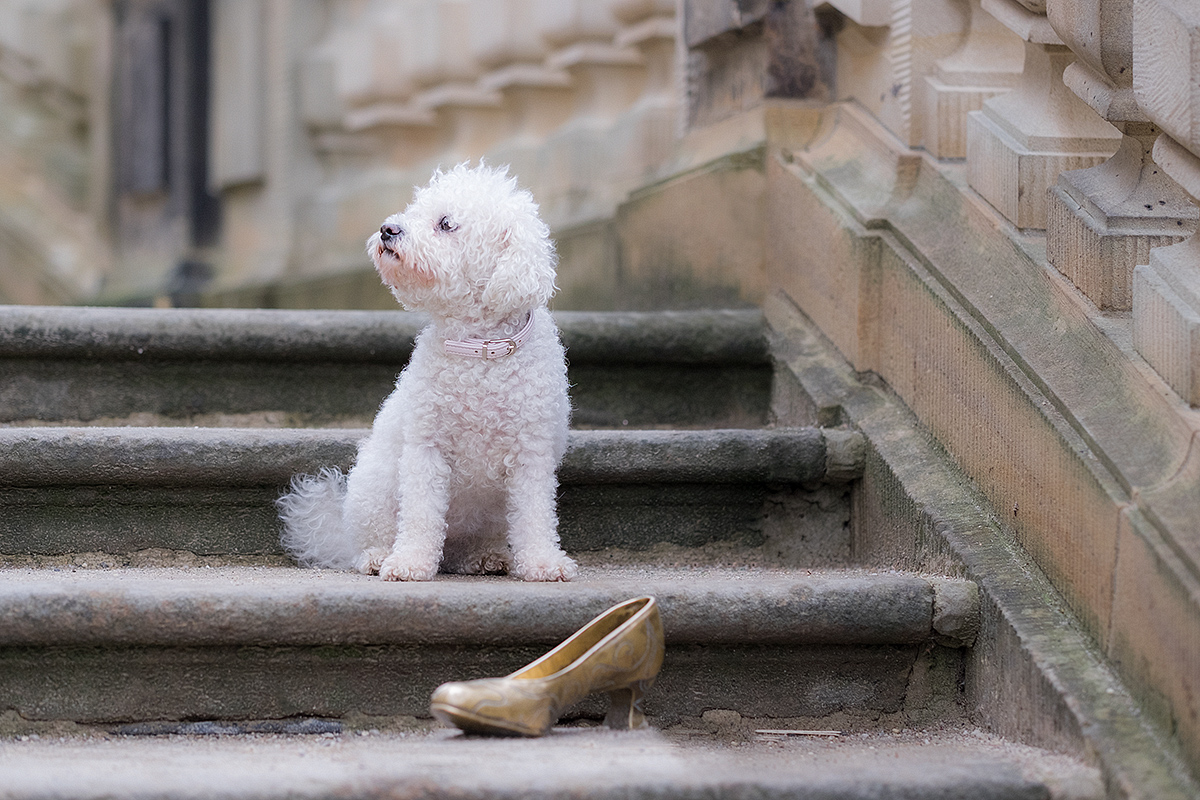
x: 410, y: 60
x: 1166, y: 290
x: 1020, y: 141
x: 362, y: 73
x: 1104, y: 220
x: 579, y: 97
x: 1073, y: 407
x: 887, y: 50
x: 986, y: 64
x: 504, y: 33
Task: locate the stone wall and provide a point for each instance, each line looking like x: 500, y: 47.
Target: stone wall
x: 1008, y: 250
x: 52, y: 237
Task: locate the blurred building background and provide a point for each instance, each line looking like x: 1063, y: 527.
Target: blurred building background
x: 239, y: 152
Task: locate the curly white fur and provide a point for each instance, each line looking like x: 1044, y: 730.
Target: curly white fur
x: 459, y: 470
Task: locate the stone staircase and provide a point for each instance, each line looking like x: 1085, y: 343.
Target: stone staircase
x: 154, y: 641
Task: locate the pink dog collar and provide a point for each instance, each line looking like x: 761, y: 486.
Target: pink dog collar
x: 489, y: 349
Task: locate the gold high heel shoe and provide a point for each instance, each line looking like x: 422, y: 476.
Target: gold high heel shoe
x: 618, y: 652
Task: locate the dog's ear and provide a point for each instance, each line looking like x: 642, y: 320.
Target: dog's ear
x: 524, y: 273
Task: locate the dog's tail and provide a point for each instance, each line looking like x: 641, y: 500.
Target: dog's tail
x: 311, y: 512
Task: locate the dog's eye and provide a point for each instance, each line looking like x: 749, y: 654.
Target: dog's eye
x: 446, y: 226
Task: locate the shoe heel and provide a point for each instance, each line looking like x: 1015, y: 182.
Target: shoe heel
x: 625, y: 710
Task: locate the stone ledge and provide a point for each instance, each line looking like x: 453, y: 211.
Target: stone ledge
x: 284, y: 368
x: 1033, y: 674
x: 696, y: 761
x: 212, y: 491
x: 223, y: 457
x: 127, y: 645
x: 138, y: 334
x: 294, y: 607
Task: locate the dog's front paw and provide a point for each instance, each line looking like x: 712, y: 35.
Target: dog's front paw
x: 397, y: 567
x: 554, y: 567
x: 369, y: 560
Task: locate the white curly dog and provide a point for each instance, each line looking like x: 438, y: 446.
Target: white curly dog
x: 459, y: 470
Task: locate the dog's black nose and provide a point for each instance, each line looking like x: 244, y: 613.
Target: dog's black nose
x: 389, y: 232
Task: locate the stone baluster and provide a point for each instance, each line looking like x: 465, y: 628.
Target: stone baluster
x: 449, y: 74
x: 649, y: 25
x: 1020, y: 141
x: 1166, y: 291
x: 1104, y: 220
x: 986, y: 64
x: 508, y: 45
x: 887, y: 49
x: 580, y: 34
x: 581, y: 155
x: 444, y: 63
x: 359, y: 77
x: 649, y: 129
x: 504, y: 34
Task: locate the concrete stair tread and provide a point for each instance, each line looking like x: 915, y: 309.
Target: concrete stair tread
x: 570, y: 762
x: 147, y: 644
x: 225, y: 334
x: 158, y: 456
x: 212, y: 490
x: 317, y: 368
x: 256, y: 605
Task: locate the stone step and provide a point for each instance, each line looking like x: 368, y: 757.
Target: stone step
x: 211, y: 491
x: 674, y: 764
x: 225, y: 367
x: 135, y: 644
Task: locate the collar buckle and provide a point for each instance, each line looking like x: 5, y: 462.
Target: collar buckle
x: 509, y: 344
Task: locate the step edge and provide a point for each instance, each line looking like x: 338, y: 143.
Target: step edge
x: 801, y: 609
x: 241, y: 457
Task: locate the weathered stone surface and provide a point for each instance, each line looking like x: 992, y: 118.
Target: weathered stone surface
x: 703, y: 21
x: 1019, y: 142
x: 1166, y: 57
x: 794, y: 456
x: 268, y: 644
x: 1102, y: 221
x: 1032, y: 673
x: 259, y: 606
x: 955, y: 611
x: 211, y: 491
x: 253, y: 367
x: 642, y: 765
x: 1152, y: 607
x: 696, y: 240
